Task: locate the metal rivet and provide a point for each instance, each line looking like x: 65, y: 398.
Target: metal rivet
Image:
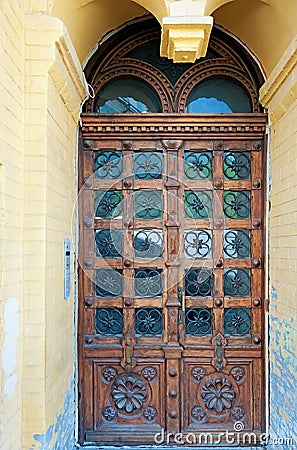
x: 88, y: 301
x: 256, y: 262
x: 172, y: 372
x: 173, y: 393
x: 218, y: 302
x: 257, y: 302
x: 256, y: 184
x: 127, y: 183
x: 128, y: 263
x: 128, y: 302
x: 219, y: 263
x: 256, y: 223
x: 89, y: 340
x: 218, y: 184
x: 257, y: 340
x: 172, y: 413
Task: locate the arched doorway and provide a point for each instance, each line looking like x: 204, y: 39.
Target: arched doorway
x: 172, y: 220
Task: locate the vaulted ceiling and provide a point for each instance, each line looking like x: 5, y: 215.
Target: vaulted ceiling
x: 265, y: 26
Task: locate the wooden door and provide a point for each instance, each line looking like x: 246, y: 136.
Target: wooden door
x: 171, y: 282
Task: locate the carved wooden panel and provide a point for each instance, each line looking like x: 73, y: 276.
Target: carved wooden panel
x: 171, y: 283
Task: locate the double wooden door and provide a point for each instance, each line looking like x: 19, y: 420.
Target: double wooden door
x: 171, y: 290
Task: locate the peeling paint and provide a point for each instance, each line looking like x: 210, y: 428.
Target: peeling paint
x: 283, y: 375
x: 9, y: 351
x: 60, y: 435
x: 273, y: 293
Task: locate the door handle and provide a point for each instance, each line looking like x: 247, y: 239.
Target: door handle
x: 181, y: 301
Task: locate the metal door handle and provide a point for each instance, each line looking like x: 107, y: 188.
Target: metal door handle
x: 181, y: 301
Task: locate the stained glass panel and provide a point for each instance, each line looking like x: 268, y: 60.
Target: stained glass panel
x: 237, y: 321
x: 198, y: 204
x: 237, y: 165
x: 108, y: 283
x: 198, y: 321
x: 108, y: 243
x: 108, y: 204
x: 197, y: 244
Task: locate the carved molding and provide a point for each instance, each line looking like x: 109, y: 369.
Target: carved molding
x: 279, y: 92
x: 114, y: 61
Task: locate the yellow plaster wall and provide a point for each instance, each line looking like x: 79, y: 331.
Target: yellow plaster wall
x: 11, y: 219
x: 266, y: 26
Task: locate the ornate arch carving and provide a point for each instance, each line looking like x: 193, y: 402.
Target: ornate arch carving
x: 228, y: 59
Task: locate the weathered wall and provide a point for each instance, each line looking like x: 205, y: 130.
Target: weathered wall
x: 279, y: 94
x: 11, y: 219
x: 54, y: 91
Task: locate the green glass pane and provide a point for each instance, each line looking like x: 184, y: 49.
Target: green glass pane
x: 237, y: 204
x: 198, y: 204
x: 197, y: 165
x: 148, y: 204
x: 108, y: 204
x: 237, y: 165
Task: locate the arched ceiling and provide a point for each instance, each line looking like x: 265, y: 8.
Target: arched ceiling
x: 266, y: 26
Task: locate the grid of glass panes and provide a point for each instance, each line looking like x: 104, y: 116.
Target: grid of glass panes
x: 205, y: 206
x: 143, y: 244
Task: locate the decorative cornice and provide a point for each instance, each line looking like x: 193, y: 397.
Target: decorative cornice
x: 280, y: 90
x: 156, y: 125
x: 67, y: 75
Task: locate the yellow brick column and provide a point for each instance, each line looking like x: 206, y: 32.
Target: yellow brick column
x: 279, y: 95
x: 11, y: 219
x: 54, y: 90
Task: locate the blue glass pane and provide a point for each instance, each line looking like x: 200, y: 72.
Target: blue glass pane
x: 108, y: 243
x: 148, y: 283
x: 198, y: 282
x: 147, y: 165
x: 148, y: 322
x: 237, y: 244
x: 148, y: 243
x: 237, y: 165
x: 218, y: 95
x: 237, y: 321
x: 237, y: 283
x: 197, y: 165
x: 108, y: 165
x: 198, y: 321
x: 127, y: 95
x: 109, y: 321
